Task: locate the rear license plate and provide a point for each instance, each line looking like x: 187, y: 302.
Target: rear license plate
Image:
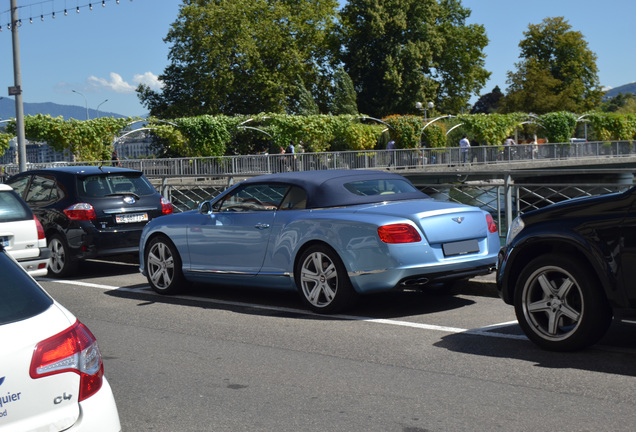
x: 4, y: 240
x: 460, y: 247
x: 131, y: 218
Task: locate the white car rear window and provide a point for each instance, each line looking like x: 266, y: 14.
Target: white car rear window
x: 22, y: 298
x: 12, y: 209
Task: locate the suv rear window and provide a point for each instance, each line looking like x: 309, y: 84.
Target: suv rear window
x: 21, y: 296
x: 114, y: 184
x: 12, y: 208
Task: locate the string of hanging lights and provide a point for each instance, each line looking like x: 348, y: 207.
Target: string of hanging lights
x: 51, y: 11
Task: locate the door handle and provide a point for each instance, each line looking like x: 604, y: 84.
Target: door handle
x: 261, y: 226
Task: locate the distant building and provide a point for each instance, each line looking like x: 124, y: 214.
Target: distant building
x: 129, y: 147
x: 137, y: 146
x: 35, y: 153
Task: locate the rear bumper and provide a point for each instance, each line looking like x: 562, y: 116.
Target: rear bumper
x: 421, y: 276
x: 89, y: 242
x: 98, y: 412
x: 37, y: 266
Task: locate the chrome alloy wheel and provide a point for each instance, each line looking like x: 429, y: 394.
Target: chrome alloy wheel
x: 160, y: 265
x: 553, y: 303
x: 319, y: 279
x: 58, y: 255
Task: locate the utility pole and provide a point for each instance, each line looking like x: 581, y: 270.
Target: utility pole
x: 16, y: 90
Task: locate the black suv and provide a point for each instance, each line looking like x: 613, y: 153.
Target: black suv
x: 570, y: 267
x: 89, y: 211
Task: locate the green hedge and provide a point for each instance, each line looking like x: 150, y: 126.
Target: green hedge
x: 222, y: 135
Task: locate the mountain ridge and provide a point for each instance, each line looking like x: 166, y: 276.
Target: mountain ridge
x: 7, y: 107
x: 7, y: 110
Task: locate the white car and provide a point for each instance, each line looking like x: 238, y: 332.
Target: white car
x: 51, y: 370
x: 21, y: 233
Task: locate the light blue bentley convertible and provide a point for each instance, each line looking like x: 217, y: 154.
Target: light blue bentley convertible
x: 330, y: 234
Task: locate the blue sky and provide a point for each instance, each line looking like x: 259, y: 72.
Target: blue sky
x: 106, y: 52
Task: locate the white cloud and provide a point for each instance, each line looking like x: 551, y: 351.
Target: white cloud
x: 149, y: 79
x: 116, y: 83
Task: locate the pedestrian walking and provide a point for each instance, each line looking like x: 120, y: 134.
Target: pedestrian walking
x: 464, y: 145
x: 114, y: 159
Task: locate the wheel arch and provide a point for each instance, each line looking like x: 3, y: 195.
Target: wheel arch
x: 153, y: 236
x: 301, y: 250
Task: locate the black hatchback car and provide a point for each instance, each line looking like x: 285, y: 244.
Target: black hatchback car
x: 89, y: 211
x: 570, y: 267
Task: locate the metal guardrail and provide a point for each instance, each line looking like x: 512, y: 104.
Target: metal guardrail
x: 421, y: 158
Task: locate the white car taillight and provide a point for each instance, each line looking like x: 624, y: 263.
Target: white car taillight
x: 39, y: 228
x: 73, y: 350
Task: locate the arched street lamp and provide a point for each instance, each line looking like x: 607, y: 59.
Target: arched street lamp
x: 585, y: 122
x: 85, y: 101
x: 419, y: 106
x: 99, y: 106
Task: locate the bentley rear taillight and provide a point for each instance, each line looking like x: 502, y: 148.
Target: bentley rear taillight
x: 492, y: 226
x: 399, y: 233
x: 166, y: 206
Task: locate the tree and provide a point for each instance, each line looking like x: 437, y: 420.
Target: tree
x: 488, y: 103
x: 557, y: 71
x: 621, y: 103
x: 343, y: 100
x: 242, y: 56
x: 301, y: 102
x: 402, y: 51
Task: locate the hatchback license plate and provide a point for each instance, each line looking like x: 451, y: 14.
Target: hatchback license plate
x: 5, y: 241
x: 460, y: 247
x: 131, y: 218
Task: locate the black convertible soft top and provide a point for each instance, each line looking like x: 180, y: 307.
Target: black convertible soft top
x: 326, y: 188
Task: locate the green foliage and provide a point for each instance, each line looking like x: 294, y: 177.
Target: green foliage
x: 491, y: 129
x: 243, y: 56
x: 87, y: 140
x: 4, y: 142
x: 435, y: 135
x: 488, y: 103
x: 559, y: 126
x: 358, y: 136
x: 405, y: 130
x: 622, y: 103
x: 557, y: 72
x: 314, y: 133
x: 408, y: 132
x: 403, y: 51
x: 343, y: 100
x: 206, y: 136
x: 301, y: 102
x: 613, y: 126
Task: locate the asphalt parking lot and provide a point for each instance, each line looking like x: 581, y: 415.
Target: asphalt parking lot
x: 226, y: 359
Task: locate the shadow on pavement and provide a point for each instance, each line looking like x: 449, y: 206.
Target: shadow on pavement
x: 614, y: 354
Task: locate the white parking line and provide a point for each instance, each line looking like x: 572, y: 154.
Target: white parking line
x: 482, y: 331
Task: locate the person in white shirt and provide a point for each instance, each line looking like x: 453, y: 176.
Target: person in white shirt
x: 464, y: 145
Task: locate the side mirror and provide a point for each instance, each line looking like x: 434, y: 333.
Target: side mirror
x: 205, y: 207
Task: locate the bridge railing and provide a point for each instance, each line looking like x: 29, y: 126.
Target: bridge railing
x: 419, y: 158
